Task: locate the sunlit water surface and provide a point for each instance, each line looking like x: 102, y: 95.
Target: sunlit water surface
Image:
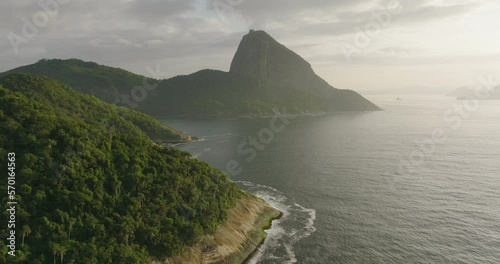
x: 345, y: 199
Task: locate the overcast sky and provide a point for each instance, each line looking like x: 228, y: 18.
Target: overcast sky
x: 437, y: 43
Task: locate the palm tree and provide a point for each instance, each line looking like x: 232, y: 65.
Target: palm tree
x: 55, y: 248
x: 58, y: 249
x: 72, y: 221
x: 62, y: 251
x: 26, y: 232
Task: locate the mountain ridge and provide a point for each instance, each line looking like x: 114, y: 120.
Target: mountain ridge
x: 264, y: 75
x: 469, y: 93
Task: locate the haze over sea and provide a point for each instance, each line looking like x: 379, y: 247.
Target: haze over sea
x: 337, y: 179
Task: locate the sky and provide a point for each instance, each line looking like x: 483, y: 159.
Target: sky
x: 363, y: 45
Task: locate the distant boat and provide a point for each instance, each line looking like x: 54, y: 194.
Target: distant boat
x: 399, y: 99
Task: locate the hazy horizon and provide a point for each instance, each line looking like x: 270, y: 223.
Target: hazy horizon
x: 263, y: 163
x: 431, y: 43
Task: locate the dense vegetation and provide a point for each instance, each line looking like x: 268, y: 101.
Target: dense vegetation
x: 92, y: 187
x: 156, y: 130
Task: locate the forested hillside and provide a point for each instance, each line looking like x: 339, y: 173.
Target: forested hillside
x: 106, y: 83
x: 99, y: 78
x: 92, y: 187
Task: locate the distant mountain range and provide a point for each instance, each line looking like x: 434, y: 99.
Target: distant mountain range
x: 467, y: 92
x: 264, y: 76
x: 409, y: 90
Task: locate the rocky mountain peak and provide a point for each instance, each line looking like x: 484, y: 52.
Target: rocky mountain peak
x: 261, y: 57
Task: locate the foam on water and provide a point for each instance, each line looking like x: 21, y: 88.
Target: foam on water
x: 296, y: 224
x: 197, y: 155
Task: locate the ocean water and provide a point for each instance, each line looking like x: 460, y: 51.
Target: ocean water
x: 416, y: 183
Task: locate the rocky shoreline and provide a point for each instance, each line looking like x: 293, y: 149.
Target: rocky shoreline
x: 235, y: 240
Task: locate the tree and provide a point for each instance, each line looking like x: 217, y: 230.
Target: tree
x: 71, y: 221
x: 25, y: 231
x: 60, y: 250
x: 55, y: 249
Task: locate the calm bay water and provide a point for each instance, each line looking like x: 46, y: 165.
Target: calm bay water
x: 337, y: 179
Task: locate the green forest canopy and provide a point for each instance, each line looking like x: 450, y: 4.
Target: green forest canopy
x: 92, y: 187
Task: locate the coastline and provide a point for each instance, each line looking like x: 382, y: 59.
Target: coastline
x: 236, y: 240
x: 173, y: 143
x: 237, y: 117
x: 262, y: 116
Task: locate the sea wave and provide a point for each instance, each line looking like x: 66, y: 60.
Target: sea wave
x: 296, y: 224
x: 197, y: 155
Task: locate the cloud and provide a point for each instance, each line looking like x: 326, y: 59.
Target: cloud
x: 330, y: 20
x: 188, y: 34
x: 159, y: 10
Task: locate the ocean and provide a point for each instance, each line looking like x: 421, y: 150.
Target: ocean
x: 416, y: 183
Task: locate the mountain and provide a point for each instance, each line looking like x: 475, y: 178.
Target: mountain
x: 92, y: 187
x: 104, y: 82
x: 264, y: 76
x: 409, y: 90
x: 278, y: 70
x: 156, y: 130
x: 467, y: 92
